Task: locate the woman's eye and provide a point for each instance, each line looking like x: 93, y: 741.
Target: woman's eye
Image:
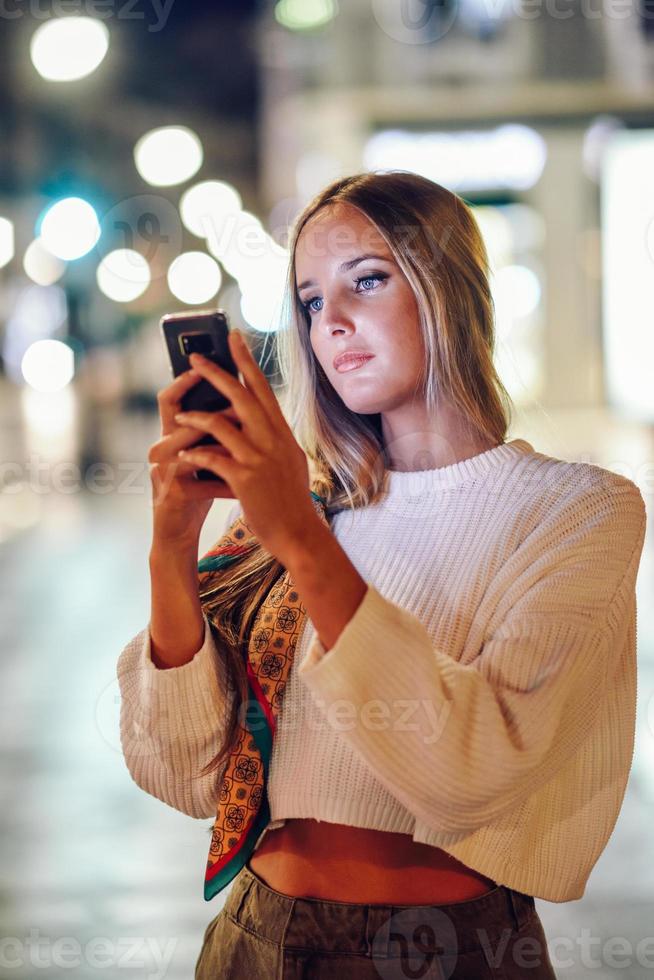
x: 374, y: 277
x: 369, y: 279
x: 307, y: 304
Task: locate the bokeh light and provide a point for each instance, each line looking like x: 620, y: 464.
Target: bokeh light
x: 67, y: 48
x: 508, y: 156
x: 42, y: 266
x: 262, y: 310
x: 194, y: 277
x: 241, y: 239
x: 6, y: 241
x: 70, y: 228
x: 123, y: 275
x: 38, y: 313
x: 305, y: 15
x: 48, y: 365
x: 168, y: 155
x: 265, y: 278
x: 516, y: 291
x: 206, y: 206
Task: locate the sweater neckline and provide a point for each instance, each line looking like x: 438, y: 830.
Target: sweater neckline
x: 406, y: 481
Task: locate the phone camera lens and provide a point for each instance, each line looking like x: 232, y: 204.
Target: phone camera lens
x: 198, y: 343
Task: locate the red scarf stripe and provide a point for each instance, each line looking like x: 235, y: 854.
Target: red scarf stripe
x: 261, y: 698
x: 213, y: 869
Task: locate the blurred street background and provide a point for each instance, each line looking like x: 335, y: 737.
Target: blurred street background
x: 152, y: 155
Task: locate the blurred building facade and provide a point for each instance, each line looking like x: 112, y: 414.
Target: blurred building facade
x: 573, y: 73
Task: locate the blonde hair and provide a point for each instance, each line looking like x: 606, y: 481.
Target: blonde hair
x: 434, y: 238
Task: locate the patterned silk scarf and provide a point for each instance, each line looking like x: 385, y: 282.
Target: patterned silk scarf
x: 243, y: 811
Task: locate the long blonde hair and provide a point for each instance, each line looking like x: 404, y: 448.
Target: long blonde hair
x: 434, y: 238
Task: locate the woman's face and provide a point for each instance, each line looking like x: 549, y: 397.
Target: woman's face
x: 356, y: 303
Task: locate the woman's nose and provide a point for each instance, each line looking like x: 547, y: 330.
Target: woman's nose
x: 334, y: 316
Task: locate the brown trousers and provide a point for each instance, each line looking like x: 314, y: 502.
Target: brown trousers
x: 262, y: 934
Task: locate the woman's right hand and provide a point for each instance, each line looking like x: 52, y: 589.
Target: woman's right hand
x: 180, y: 502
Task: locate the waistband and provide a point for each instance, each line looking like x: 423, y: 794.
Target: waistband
x: 374, y: 930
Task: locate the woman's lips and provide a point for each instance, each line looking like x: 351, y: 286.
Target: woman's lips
x: 352, y: 363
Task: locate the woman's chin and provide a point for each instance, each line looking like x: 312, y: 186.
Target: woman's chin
x: 364, y: 407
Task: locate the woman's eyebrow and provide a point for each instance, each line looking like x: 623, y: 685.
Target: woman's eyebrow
x: 346, y: 266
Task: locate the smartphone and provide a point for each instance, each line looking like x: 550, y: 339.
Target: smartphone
x: 202, y: 332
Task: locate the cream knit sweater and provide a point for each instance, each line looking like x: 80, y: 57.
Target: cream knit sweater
x: 481, y: 699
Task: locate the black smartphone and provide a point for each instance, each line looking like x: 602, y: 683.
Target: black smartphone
x: 202, y: 332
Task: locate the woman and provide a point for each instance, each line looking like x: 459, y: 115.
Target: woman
x: 469, y: 602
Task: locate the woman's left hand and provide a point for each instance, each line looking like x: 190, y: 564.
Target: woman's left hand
x: 267, y: 470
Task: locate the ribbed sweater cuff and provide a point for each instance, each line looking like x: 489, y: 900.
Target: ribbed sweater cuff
x: 180, y: 675
x: 323, y: 668
x: 180, y: 703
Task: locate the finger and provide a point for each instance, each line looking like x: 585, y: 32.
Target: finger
x: 231, y: 414
x: 177, y: 471
x: 245, y: 402
x: 167, y: 447
x: 202, y: 489
x: 253, y: 376
x: 224, y: 467
x: 169, y: 398
x: 181, y: 437
x: 178, y: 467
x: 163, y: 475
x: 186, y: 481
x: 222, y: 430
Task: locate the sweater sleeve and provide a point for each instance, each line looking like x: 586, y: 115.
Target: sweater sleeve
x: 459, y: 745
x: 172, y: 721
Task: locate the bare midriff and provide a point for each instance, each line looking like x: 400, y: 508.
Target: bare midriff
x: 315, y: 859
